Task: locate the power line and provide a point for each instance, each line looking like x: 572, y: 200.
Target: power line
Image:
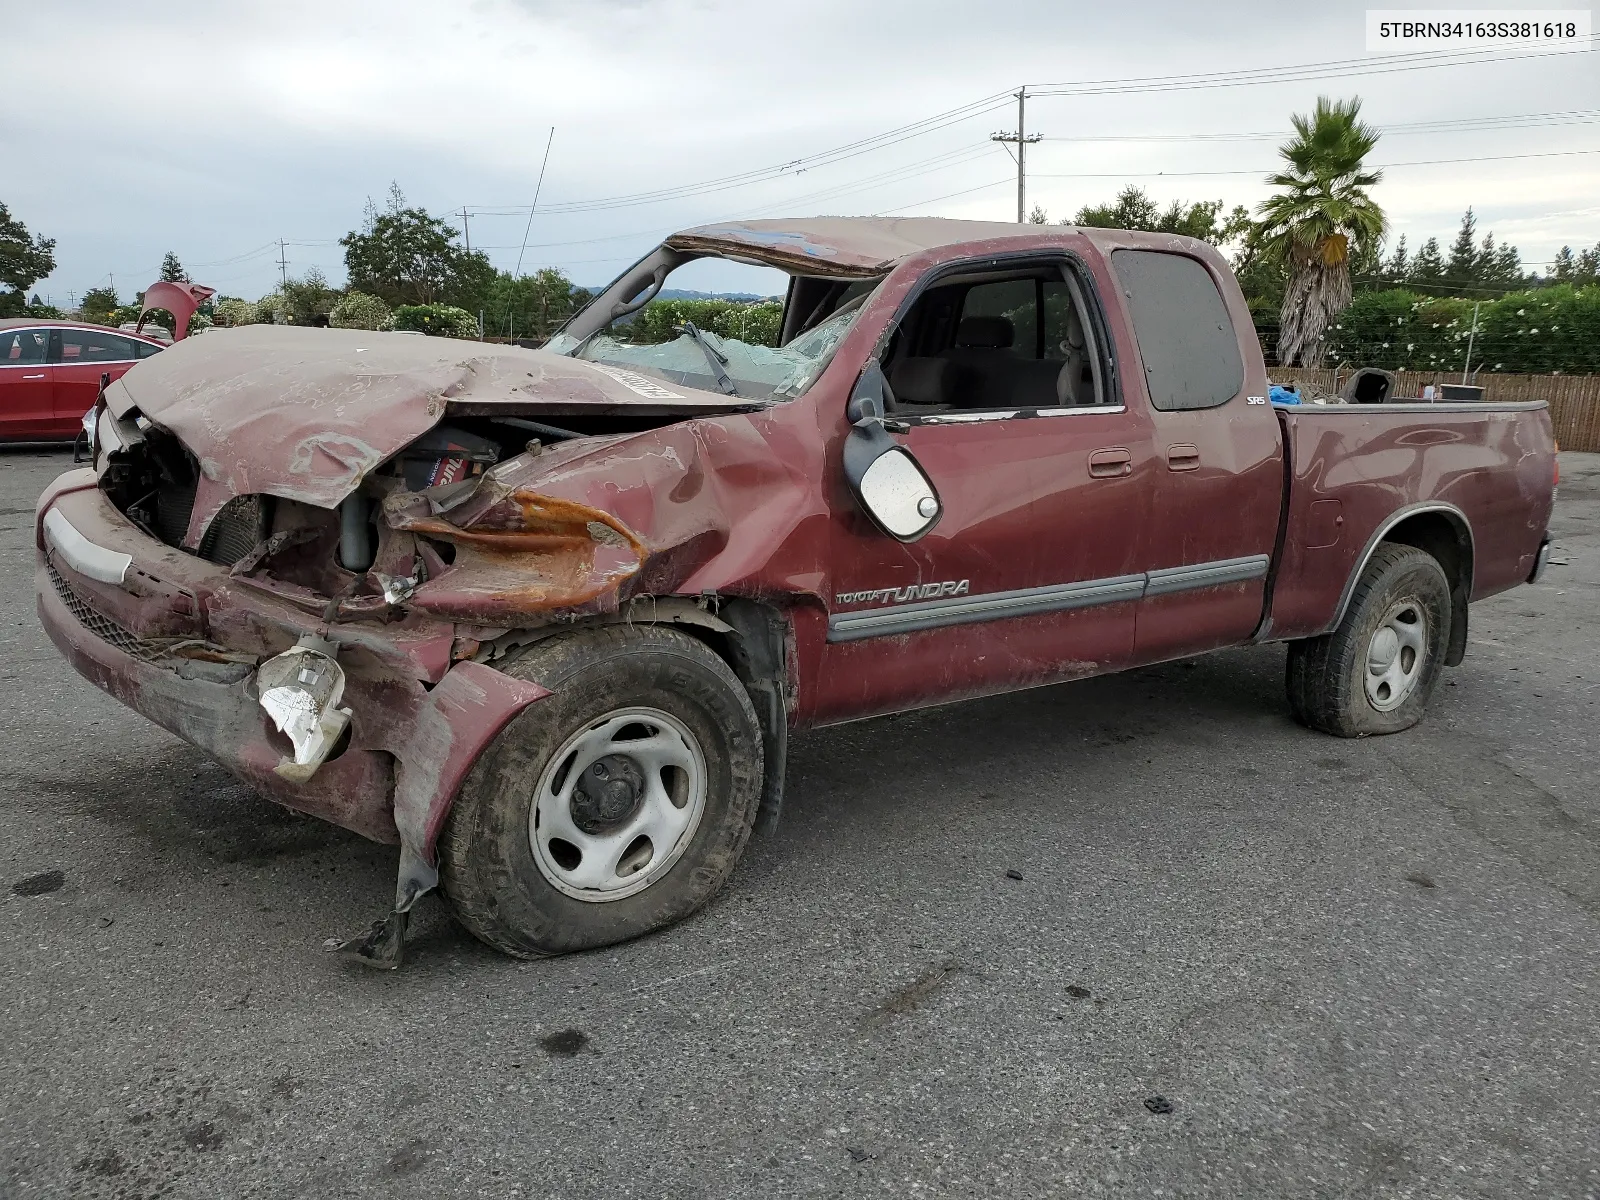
x: 1469, y: 124
x: 1248, y: 77
x: 1426, y: 162
x: 537, y: 188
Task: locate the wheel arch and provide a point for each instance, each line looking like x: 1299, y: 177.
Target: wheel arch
x: 1443, y: 531
x: 753, y: 637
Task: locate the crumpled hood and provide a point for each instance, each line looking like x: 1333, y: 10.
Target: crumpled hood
x: 306, y: 414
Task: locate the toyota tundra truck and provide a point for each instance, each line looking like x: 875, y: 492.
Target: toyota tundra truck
x: 546, y: 619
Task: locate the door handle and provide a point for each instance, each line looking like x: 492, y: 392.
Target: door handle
x: 1111, y: 462
x: 33, y: 376
x: 1183, y: 457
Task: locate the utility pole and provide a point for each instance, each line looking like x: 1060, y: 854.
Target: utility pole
x: 466, y: 230
x: 283, y: 265
x: 1022, y: 140
x: 1471, y: 333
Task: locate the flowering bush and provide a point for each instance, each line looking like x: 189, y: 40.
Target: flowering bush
x: 357, y: 310
x: 436, y: 320
x: 234, y: 311
x: 1551, y: 329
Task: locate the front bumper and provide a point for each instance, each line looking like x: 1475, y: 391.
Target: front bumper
x: 178, y: 640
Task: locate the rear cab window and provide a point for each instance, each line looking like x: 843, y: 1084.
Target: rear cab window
x: 1186, y: 339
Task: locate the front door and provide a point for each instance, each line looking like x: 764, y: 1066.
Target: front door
x: 25, y: 410
x: 1033, y: 572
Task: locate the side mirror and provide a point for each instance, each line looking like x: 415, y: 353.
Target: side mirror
x: 885, y: 478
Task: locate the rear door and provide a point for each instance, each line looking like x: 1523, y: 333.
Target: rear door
x: 25, y: 407
x: 80, y: 357
x: 1218, y: 454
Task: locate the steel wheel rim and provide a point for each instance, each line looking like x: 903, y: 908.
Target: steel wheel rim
x: 611, y: 862
x: 1396, y: 655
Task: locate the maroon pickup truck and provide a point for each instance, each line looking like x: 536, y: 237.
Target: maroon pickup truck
x: 546, y: 618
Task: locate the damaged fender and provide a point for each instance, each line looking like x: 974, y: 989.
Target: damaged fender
x: 460, y: 717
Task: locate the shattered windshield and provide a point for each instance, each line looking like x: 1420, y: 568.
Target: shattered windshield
x: 676, y: 347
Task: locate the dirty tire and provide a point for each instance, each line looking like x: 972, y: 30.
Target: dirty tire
x: 1327, y: 675
x: 488, y: 872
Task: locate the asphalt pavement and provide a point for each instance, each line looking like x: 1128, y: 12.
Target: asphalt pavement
x: 1137, y: 936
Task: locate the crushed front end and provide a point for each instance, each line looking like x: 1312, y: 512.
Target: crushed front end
x: 313, y: 602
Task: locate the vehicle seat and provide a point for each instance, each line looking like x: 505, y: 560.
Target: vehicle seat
x: 924, y: 384
x: 1075, y: 383
x: 983, y: 352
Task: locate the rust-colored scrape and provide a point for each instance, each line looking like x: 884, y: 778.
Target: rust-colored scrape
x: 528, y: 553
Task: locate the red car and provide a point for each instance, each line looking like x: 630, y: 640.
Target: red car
x: 546, y: 618
x: 50, y: 373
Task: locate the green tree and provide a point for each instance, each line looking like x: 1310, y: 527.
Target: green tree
x: 1320, y: 215
x: 172, y: 270
x: 99, y: 304
x: 528, y: 306
x: 1427, y: 269
x: 1134, y: 209
x: 1398, y: 265
x: 1461, y: 268
x: 405, y: 256
x: 308, y: 300
x: 24, y: 260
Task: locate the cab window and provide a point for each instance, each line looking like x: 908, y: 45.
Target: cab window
x: 1019, y: 339
x: 95, y: 346
x: 22, y: 347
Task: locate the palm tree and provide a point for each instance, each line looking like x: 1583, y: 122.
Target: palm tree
x: 1321, y: 216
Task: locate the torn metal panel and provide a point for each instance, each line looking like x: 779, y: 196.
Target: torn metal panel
x: 460, y: 717
x: 307, y: 414
x: 846, y: 247
x: 522, y: 553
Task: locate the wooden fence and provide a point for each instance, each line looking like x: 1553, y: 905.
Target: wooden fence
x: 1574, y: 399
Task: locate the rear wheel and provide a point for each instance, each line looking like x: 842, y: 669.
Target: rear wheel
x: 1375, y: 672
x: 615, y: 806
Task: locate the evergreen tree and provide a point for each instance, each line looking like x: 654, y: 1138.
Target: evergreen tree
x: 1462, y: 267
x: 1587, y: 269
x: 172, y: 270
x: 1398, y: 268
x: 1427, y: 268
x: 1564, y: 266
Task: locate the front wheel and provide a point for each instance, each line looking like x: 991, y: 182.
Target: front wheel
x: 1375, y: 672
x: 616, y: 805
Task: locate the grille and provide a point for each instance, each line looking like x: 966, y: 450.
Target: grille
x: 104, y: 627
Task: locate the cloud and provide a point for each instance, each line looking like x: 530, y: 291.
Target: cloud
x: 215, y: 130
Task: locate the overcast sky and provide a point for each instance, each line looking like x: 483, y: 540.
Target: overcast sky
x: 214, y: 130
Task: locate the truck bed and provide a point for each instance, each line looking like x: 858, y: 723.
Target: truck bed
x: 1357, y: 472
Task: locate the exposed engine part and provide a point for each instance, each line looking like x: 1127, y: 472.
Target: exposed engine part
x: 547, y: 431
x: 355, y: 533
x: 445, y: 455
x: 238, y: 528
x: 397, y: 591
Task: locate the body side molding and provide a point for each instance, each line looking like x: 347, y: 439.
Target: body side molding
x: 1056, y: 597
